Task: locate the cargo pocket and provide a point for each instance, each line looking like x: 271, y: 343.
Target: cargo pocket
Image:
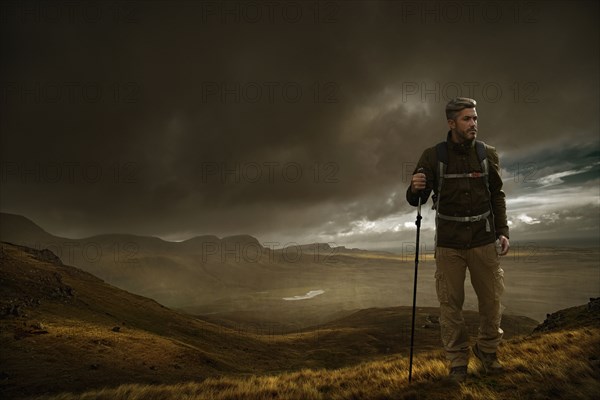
x: 441, y: 287
x: 498, y: 283
x: 491, y: 255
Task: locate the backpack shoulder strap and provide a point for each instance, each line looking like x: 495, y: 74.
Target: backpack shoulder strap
x: 482, y: 156
x: 481, y: 152
x: 441, y: 150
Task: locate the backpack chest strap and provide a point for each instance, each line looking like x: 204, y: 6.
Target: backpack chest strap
x: 467, y: 175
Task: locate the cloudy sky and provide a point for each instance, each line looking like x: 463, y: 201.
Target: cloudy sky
x: 293, y: 121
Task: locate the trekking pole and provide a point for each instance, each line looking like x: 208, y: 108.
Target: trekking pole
x: 414, y: 306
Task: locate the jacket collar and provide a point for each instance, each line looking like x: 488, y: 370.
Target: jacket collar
x: 459, y: 147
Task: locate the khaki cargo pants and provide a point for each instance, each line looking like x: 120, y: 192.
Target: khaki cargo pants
x: 487, y: 279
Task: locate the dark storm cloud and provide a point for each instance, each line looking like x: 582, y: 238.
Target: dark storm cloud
x: 182, y: 118
x: 569, y: 164
x: 554, y: 192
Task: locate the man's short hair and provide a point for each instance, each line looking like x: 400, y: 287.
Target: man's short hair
x: 458, y: 104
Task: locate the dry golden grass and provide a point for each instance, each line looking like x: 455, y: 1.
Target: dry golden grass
x: 559, y: 365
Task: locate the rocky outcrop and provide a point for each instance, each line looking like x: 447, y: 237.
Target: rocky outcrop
x: 23, y: 288
x: 587, y: 315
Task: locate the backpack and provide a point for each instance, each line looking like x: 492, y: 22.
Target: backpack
x: 442, y: 156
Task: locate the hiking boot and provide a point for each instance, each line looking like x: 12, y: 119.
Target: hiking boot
x: 489, y: 361
x: 458, y: 374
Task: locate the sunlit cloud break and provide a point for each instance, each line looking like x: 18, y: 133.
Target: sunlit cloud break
x: 528, y: 220
x: 556, y: 179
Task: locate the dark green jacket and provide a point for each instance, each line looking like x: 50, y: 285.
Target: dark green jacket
x: 465, y: 196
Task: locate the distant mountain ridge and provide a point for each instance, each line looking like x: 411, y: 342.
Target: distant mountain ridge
x: 14, y: 227
x: 203, y: 270
x: 19, y: 229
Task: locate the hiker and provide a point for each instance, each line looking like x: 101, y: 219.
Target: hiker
x: 471, y: 232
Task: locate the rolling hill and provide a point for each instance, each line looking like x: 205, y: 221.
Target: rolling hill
x: 238, y: 280
x: 63, y: 329
x: 236, y: 274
